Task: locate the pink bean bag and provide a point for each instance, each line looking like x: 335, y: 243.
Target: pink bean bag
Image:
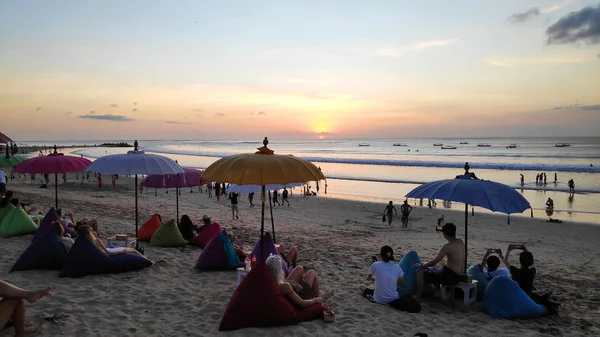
x: 201, y: 240
x: 259, y: 302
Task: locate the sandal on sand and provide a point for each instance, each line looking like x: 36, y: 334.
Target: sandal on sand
x: 57, y: 318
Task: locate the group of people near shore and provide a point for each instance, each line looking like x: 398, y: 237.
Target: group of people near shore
x: 388, y: 275
x: 390, y: 210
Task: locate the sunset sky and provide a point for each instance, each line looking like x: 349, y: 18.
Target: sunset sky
x: 76, y: 70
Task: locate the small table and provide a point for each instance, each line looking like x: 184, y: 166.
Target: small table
x: 241, y: 272
x: 469, y: 291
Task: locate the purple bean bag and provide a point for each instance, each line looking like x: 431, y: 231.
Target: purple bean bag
x: 45, y: 224
x: 86, y: 259
x: 218, y: 255
x: 268, y: 249
x: 47, y: 252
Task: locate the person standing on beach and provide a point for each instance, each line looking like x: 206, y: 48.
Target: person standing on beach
x: 389, y: 211
x: 555, y: 178
x: 2, y: 183
x: 233, y: 197
x: 251, y: 199
x: 209, y: 189
x: 522, y: 180
x: 284, y: 196
x: 405, y: 210
x: 545, y: 179
x: 275, y: 195
x: 537, y: 179
x: 218, y: 191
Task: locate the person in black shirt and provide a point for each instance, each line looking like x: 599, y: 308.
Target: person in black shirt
x: 234, y: 205
x: 405, y: 210
x: 284, y: 196
x: 525, y: 275
x: 275, y: 201
x: 250, y: 199
x: 186, y: 227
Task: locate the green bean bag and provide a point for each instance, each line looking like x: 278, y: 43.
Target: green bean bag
x: 5, y: 210
x: 168, y: 235
x: 17, y: 222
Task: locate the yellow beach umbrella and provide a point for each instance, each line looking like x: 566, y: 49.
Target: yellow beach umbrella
x: 262, y: 168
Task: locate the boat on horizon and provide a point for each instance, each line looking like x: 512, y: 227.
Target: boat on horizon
x: 364, y: 145
x: 512, y: 146
x: 399, y: 144
x: 483, y: 145
x: 449, y: 147
x: 463, y: 143
x: 562, y: 144
x: 438, y: 144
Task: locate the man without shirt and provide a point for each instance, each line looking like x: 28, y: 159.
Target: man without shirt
x: 449, y: 274
x: 388, y: 275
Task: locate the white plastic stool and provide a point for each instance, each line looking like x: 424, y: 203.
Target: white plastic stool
x: 469, y: 292
x: 241, y: 273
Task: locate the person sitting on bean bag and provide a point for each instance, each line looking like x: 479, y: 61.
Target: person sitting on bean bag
x: 58, y: 228
x: 301, y: 289
x: 84, y: 232
x: 187, y: 228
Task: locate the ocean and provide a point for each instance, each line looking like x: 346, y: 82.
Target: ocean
x: 376, y: 170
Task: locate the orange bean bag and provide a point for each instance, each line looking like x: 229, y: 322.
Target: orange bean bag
x: 148, y: 228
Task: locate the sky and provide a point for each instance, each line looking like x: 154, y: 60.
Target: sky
x: 191, y: 69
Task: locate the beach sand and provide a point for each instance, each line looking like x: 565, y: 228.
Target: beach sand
x: 335, y: 237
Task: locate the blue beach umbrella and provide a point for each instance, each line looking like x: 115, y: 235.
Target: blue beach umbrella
x: 494, y: 196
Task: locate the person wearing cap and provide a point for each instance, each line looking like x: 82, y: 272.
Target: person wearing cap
x: 449, y: 274
x: 388, y: 275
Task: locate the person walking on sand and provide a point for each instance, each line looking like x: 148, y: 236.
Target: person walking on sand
x: 571, y: 185
x: 284, y: 196
x: 555, y: 178
x: 218, y: 191
x: 522, y: 180
x: 233, y: 197
x: 389, y: 211
x: 545, y: 179
x: 251, y: 199
x: 12, y: 306
x: 405, y: 210
x: 275, y: 201
x: 209, y: 189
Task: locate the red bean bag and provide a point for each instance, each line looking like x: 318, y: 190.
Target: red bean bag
x: 209, y: 233
x: 148, y: 228
x: 259, y: 302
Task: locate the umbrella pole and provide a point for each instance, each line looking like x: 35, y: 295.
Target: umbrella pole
x: 272, y: 222
x: 136, y: 206
x: 177, y: 203
x: 56, y: 190
x: 466, y: 233
x: 262, y: 225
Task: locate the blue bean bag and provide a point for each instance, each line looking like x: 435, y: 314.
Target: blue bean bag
x: 481, y: 276
x: 504, y: 298
x: 46, y: 223
x: 47, y: 252
x: 410, y: 273
x: 86, y: 259
x: 219, y: 254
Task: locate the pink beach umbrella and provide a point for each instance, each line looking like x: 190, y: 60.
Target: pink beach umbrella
x: 4, y: 138
x: 54, y: 163
x: 189, y: 178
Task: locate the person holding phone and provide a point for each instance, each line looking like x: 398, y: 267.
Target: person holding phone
x: 524, y: 275
x: 491, y: 263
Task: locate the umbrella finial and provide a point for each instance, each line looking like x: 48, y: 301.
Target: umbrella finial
x: 54, y: 147
x: 135, y: 145
x: 264, y: 149
x: 266, y: 141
